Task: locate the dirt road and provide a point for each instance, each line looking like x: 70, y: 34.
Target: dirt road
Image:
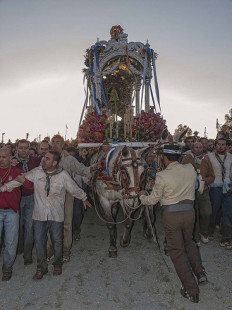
x: 136, y: 279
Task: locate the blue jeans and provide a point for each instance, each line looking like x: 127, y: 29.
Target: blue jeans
x: 26, y: 235
x: 218, y: 199
x: 55, y: 230
x: 78, y: 215
x: 10, y: 221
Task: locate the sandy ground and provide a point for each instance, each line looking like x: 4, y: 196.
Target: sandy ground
x: 136, y: 279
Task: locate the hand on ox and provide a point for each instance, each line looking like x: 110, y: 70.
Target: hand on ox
x: 86, y: 204
x: 20, y: 178
x: 143, y: 192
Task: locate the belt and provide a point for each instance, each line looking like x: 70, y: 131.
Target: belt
x: 179, y: 207
x: 186, y: 201
x: 5, y: 208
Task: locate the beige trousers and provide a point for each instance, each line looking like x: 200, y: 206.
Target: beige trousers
x: 68, y: 215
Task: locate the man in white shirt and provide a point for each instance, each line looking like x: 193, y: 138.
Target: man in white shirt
x: 175, y: 190
x: 50, y: 185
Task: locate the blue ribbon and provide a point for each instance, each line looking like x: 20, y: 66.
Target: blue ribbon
x: 94, y: 92
x: 97, y: 61
x: 104, y: 97
x: 153, y: 99
x: 113, y: 147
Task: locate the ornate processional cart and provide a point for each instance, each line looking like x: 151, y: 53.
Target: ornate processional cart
x: 121, y: 104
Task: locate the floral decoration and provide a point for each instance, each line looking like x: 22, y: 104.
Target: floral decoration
x: 147, y: 128
x: 93, y: 128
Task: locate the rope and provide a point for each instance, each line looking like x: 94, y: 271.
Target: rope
x: 128, y: 215
x: 156, y: 241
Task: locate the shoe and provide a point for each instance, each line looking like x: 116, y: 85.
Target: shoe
x: 198, y: 243
x: 226, y: 244
x: 202, y: 278
x: 28, y: 261
x: 57, y: 271
x: 66, y: 258
x: 194, y: 298
x: 39, y: 274
x: 6, y: 275
x: 204, y: 239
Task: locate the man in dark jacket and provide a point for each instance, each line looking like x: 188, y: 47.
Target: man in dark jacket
x: 9, y: 212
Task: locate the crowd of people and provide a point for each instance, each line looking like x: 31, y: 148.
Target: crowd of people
x: 212, y: 160
x: 43, y: 196
x: 50, y: 198
x: 191, y: 213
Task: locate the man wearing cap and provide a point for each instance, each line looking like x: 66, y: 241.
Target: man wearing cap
x: 175, y: 190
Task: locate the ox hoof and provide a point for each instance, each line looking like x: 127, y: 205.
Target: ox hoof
x: 112, y: 252
x: 124, y: 243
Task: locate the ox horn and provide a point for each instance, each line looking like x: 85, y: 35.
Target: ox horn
x: 179, y: 136
x: 164, y: 135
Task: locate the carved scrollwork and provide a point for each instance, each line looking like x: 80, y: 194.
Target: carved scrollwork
x: 134, y: 70
x: 136, y: 46
x: 121, y: 67
x: 113, y: 68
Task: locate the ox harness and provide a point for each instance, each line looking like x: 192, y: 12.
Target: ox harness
x: 120, y: 166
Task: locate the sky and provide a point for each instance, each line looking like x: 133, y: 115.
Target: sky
x: 42, y: 47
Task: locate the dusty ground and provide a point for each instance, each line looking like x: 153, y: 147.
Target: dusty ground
x: 137, y: 279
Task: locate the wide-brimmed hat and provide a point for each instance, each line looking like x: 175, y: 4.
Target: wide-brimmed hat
x: 172, y: 149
